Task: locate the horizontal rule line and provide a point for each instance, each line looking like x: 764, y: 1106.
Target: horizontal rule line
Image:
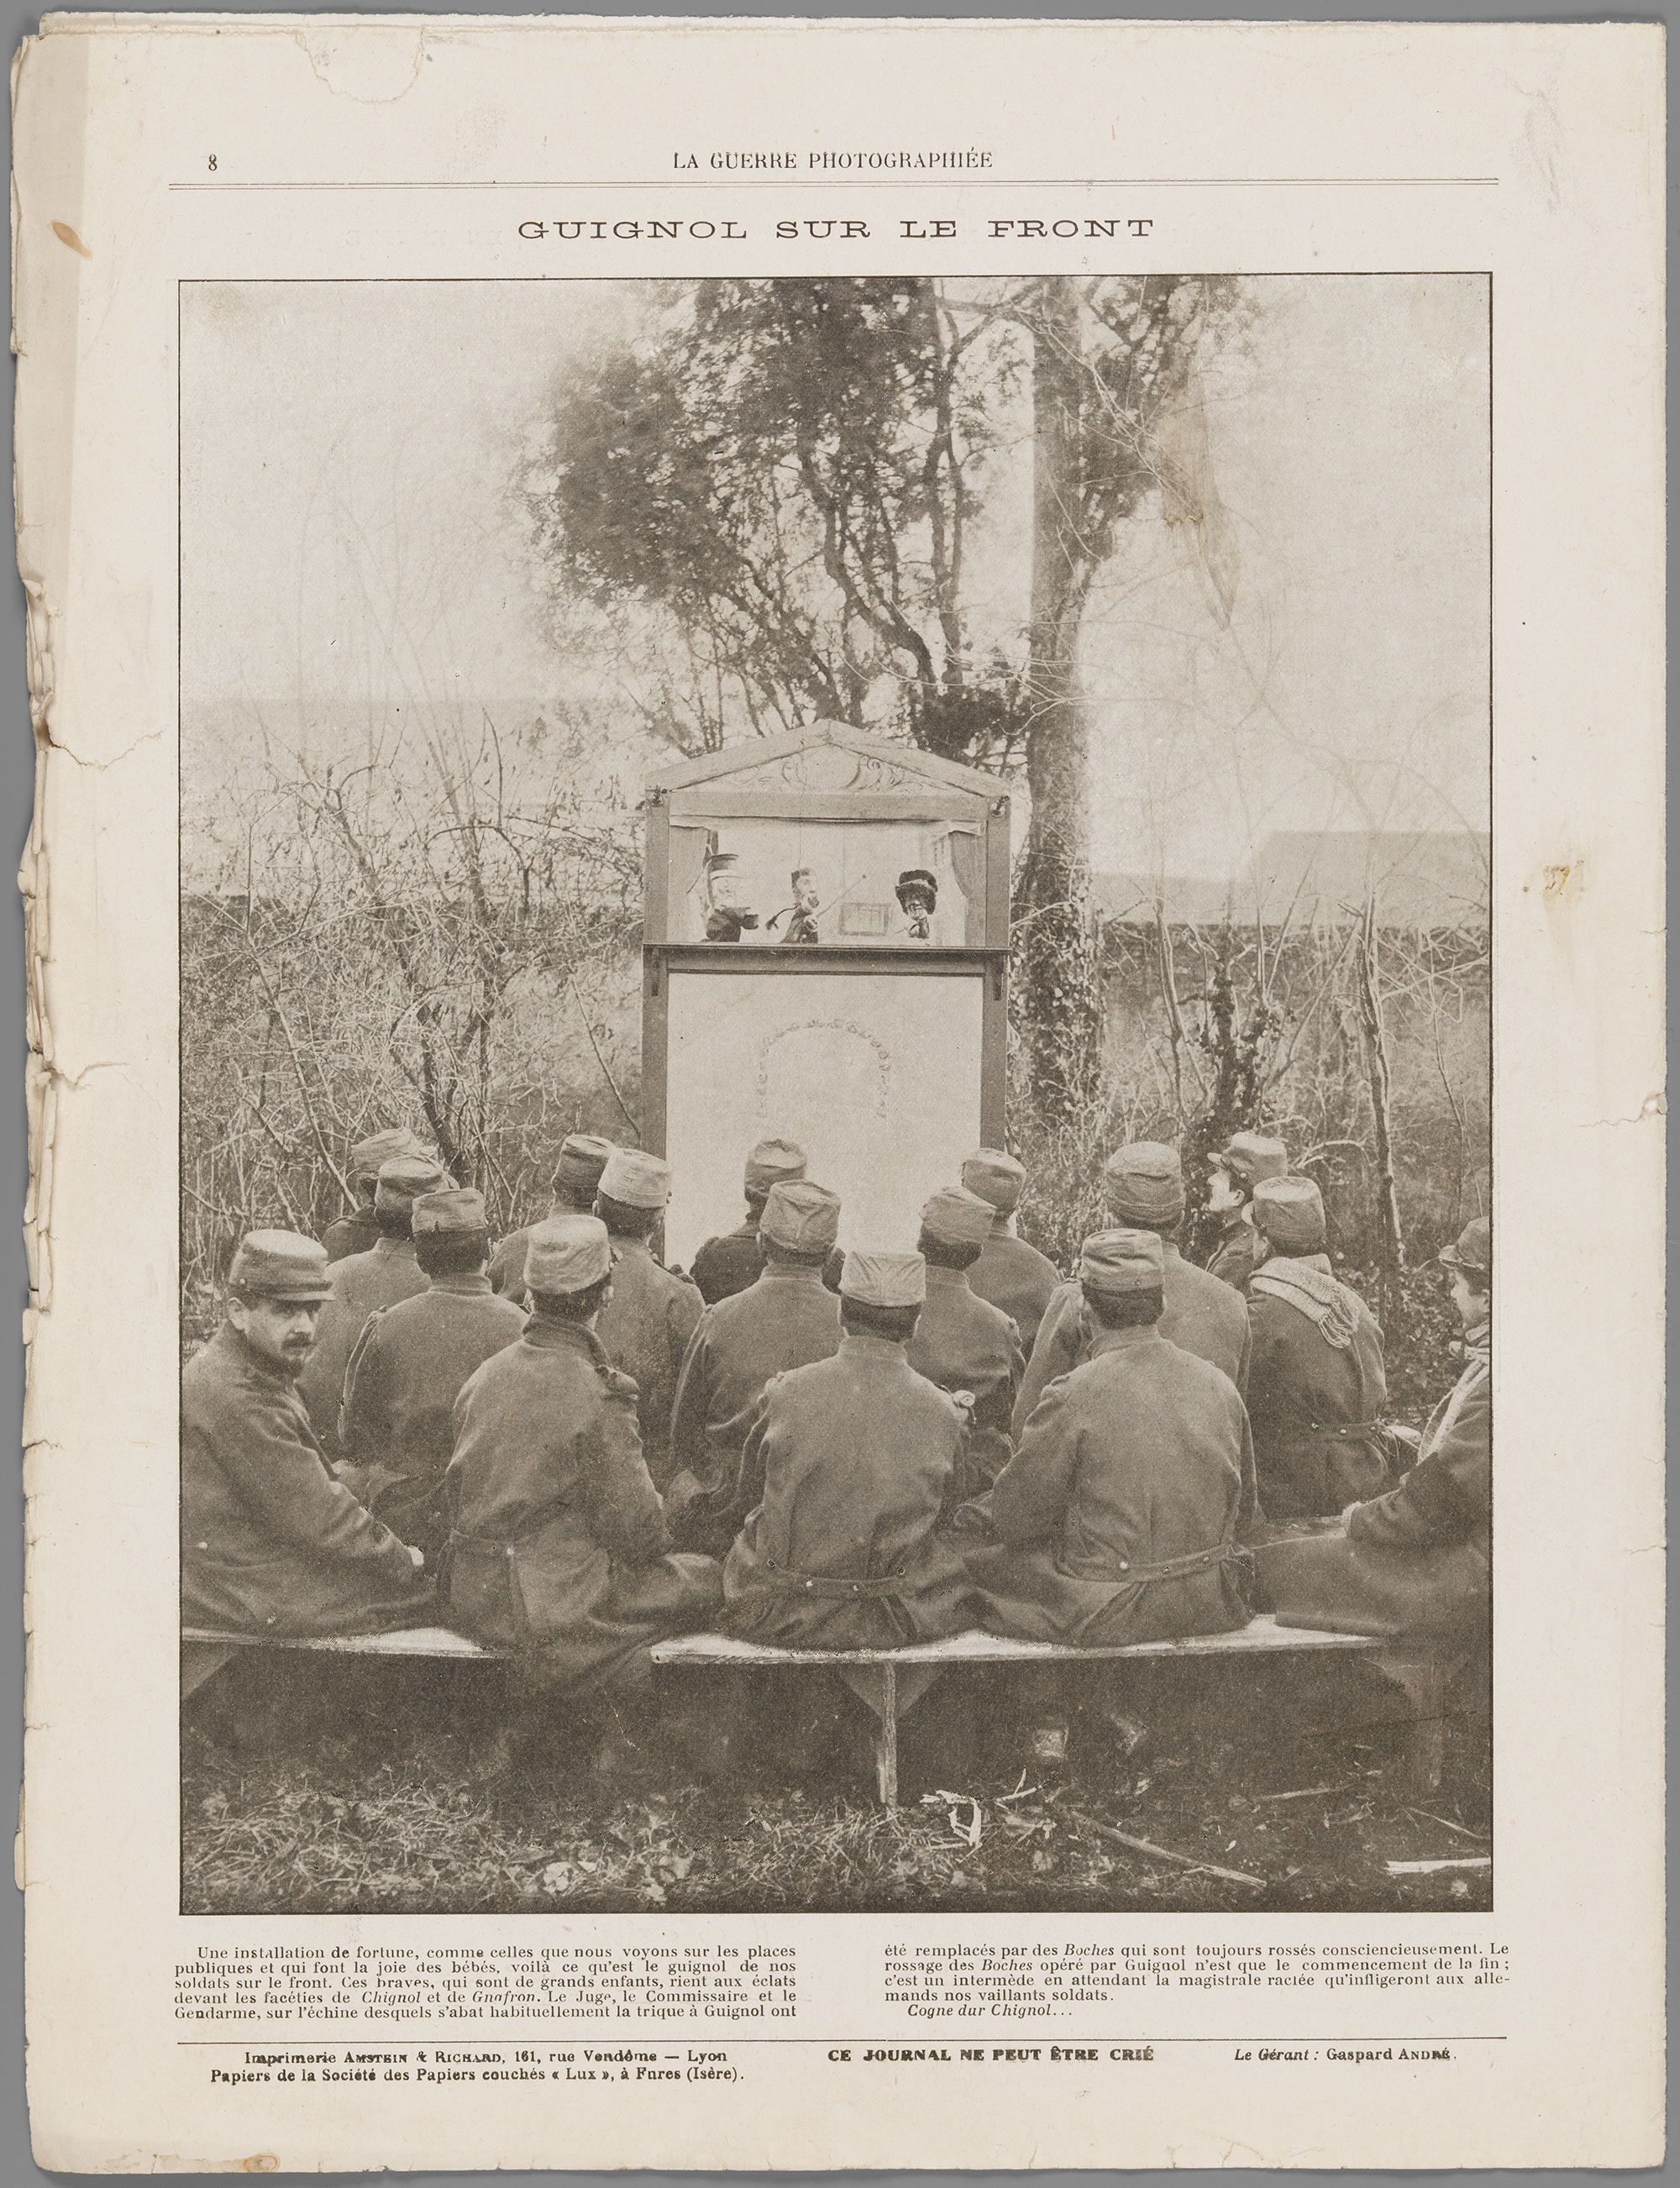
x: 888, y: 176
x: 1003, y: 2040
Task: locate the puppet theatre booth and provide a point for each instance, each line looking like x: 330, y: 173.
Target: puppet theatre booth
x: 826, y: 950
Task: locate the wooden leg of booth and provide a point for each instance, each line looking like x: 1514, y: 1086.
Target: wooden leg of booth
x: 888, y: 1689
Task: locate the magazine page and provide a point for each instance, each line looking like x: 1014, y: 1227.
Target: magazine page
x: 844, y: 924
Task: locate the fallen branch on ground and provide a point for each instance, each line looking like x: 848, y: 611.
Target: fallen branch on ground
x: 1164, y: 1853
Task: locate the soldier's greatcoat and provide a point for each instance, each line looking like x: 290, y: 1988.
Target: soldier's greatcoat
x: 1234, y: 1262
x: 788, y: 1319
x: 848, y: 1463
x: 1016, y: 1278
x: 1412, y: 1563
x: 507, y: 1271
x: 1315, y: 1390
x: 1122, y: 1512
x: 965, y: 1342
x: 559, y: 1546
x: 730, y: 1264
x: 1199, y: 1314
x: 356, y: 1232
x: 269, y: 1542
x: 396, y: 1428
x: 362, y: 1284
x: 644, y: 1329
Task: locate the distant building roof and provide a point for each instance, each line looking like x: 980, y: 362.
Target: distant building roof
x: 1430, y: 878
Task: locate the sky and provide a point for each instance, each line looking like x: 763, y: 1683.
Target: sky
x: 351, y: 547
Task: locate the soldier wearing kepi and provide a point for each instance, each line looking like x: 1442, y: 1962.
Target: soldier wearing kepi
x: 1122, y: 1512
x: 558, y: 1548
x: 1316, y: 1380
x: 583, y: 1157
x: 1238, y: 1170
x: 967, y: 1345
x: 1010, y: 1273
x: 847, y: 1466
x: 406, y: 1372
x: 1144, y: 1183
x: 788, y: 1319
x: 357, y: 1232
x: 270, y: 1542
x: 364, y: 1283
x: 730, y: 1264
x: 645, y: 1326
x: 1412, y: 1564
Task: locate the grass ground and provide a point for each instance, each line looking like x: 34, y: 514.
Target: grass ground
x: 316, y: 1784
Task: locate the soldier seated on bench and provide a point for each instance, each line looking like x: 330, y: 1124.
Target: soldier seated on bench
x: 1121, y: 1512
x: 559, y: 1548
x: 270, y: 1544
x: 846, y: 1467
x: 1412, y: 1564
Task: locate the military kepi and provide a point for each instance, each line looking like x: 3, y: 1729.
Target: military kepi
x: 583, y: 1157
x: 801, y: 1217
x: 635, y: 1178
x: 771, y: 1162
x: 884, y: 1279
x: 1145, y: 1182
x: 1289, y: 1211
x: 995, y: 1177
x: 403, y: 1179
x: 1113, y: 1262
x: 452, y: 1213
x: 1251, y: 1156
x: 956, y: 1217
x: 1473, y: 1251
x: 567, y: 1254
x: 279, y: 1265
x: 367, y: 1155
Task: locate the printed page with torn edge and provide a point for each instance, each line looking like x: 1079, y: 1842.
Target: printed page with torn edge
x: 828, y: 816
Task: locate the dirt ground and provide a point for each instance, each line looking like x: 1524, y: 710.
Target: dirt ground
x: 313, y: 1784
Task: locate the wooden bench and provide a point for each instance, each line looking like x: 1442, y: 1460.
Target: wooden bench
x: 890, y: 1680
x: 204, y: 1650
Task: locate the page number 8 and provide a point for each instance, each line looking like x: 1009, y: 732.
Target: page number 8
x: 212, y: 163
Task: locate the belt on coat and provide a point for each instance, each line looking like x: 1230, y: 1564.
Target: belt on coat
x: 788, y: 1582
x: 1195, y: 1561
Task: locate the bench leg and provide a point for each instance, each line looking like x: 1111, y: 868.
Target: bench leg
x: 1423, y: 1677
x: 877, y: 1685
x: 200, y: 1660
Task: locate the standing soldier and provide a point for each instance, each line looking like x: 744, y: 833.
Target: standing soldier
x: 1010, y: 1273
x: 559, y: 1550
x: 786, y: 1320
x: 583, y: 1158
x: 1144, y: 1184
x: 967, y: 1345
x: 728, y: 1265
x: 847, y: 1465
x: 1412, y: 1564
x: 1121, y: 1512
x: 363, y: 1284
x: 270, y: 1544
x: 357, y: 1232
x: 409, y: 1364
x: 1231, y: 1189
x: 645, y: 1326
x: 1315, y: 1382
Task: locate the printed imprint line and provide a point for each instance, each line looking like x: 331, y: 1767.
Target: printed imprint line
x: 722, y: 2036
x: 888, y: 177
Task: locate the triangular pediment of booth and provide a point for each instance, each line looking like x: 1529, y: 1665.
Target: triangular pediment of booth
x: 826, y: 759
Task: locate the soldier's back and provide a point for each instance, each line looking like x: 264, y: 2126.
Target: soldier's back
x: 1016, y: 1278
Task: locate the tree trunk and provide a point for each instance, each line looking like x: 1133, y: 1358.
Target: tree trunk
x: 1377, y: 1064
x: 1055, y: 942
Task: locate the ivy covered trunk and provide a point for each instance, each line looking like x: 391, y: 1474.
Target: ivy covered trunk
x: 1055, y: 949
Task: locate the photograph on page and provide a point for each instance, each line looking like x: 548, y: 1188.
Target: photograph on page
x: 940, y: 830
x: 835, y: 826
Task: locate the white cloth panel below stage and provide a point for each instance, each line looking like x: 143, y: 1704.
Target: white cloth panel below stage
x: 878, y: 1079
